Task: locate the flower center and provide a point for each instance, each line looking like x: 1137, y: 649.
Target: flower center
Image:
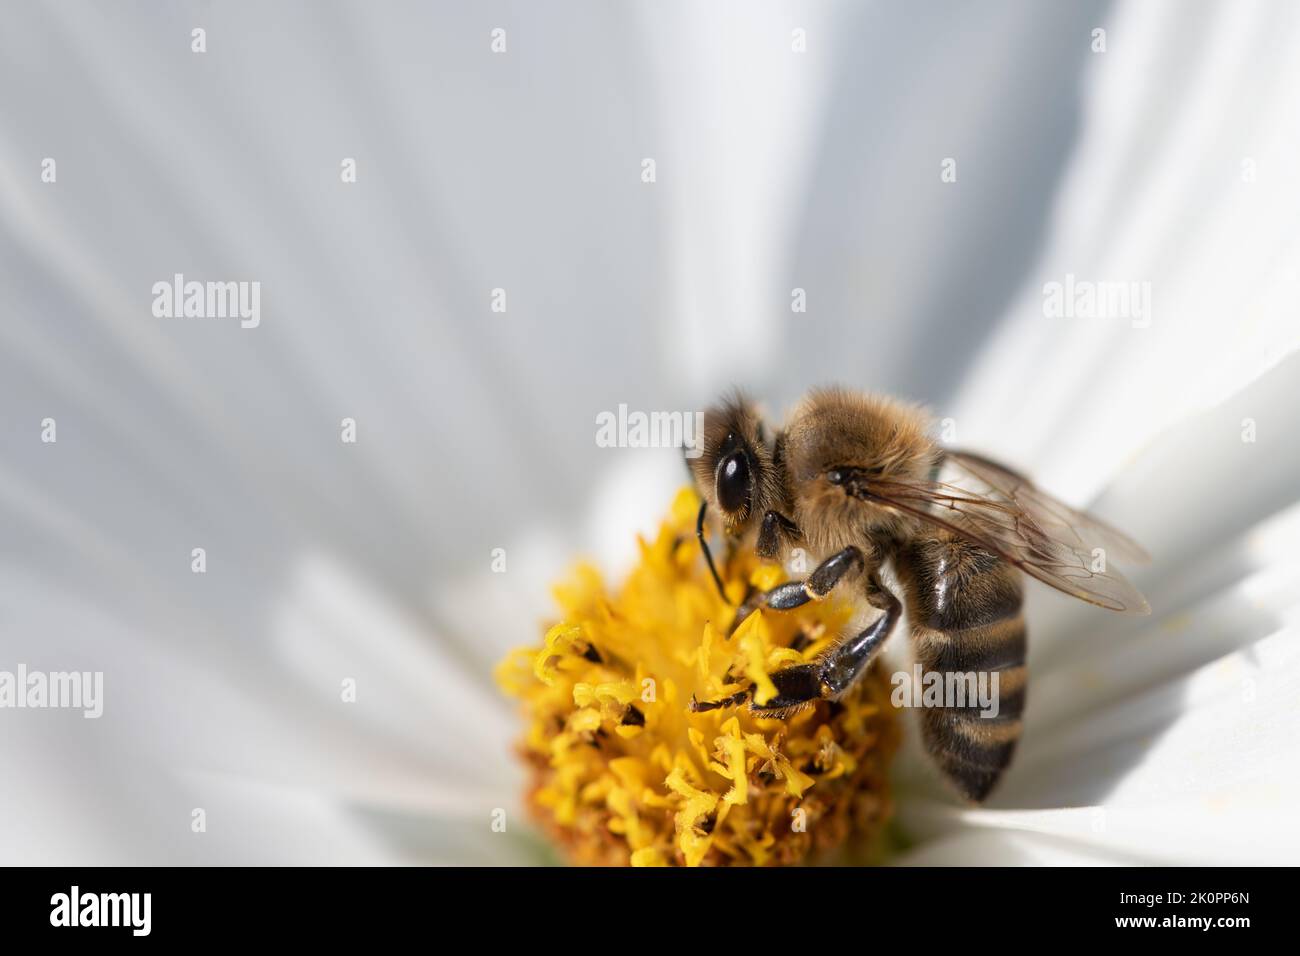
x: 624, y: 771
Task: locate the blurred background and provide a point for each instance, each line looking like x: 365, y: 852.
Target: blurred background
x: 918, y: 172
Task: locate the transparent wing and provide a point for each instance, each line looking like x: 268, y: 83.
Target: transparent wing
x: 1061, y: 547
x: 1054, y: 514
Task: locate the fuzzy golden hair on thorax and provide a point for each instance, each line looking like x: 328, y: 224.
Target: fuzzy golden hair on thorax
x: 836, y: 428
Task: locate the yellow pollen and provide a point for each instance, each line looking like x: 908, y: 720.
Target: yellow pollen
x: 624, y: 772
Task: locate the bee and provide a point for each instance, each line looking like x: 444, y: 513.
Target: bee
x: 855, y: 480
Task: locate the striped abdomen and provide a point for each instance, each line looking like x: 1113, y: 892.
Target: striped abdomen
x: 964, y: 604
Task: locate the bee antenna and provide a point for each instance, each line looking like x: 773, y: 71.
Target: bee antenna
x: 708, y: 555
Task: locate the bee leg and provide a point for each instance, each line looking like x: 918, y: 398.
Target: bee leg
x: 697, y: 706
x: 774, y: 526
x: 820, y: 583
x: 794, y: 594
x: 847, y: 661
x: 840, y: 668
x: 796, y: 685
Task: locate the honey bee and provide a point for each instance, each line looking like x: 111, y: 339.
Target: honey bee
x: 854, y: 480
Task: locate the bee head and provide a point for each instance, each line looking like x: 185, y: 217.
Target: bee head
x: 734, y: 472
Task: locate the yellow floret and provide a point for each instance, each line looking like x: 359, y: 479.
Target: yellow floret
x: 625, y: 772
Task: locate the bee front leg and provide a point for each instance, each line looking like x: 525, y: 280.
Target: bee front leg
x: 774, y: 526
x: 820, y: 583
x: 794, y: 594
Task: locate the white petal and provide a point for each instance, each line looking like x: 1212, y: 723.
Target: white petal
x: 1002, y: 847
x: 1155, y: 194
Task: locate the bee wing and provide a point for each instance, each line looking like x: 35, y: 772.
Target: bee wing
x: 1024, y: 531
x: 1055, y: 515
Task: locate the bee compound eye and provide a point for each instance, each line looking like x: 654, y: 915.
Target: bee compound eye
x: 734, y: 482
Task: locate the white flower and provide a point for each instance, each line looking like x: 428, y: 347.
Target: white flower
x: 1166, y: 159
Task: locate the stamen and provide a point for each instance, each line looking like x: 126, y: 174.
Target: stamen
x: 642, y: 752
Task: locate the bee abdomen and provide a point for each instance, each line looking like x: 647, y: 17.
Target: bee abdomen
x: 969, y: 636
x: 973, y: 743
